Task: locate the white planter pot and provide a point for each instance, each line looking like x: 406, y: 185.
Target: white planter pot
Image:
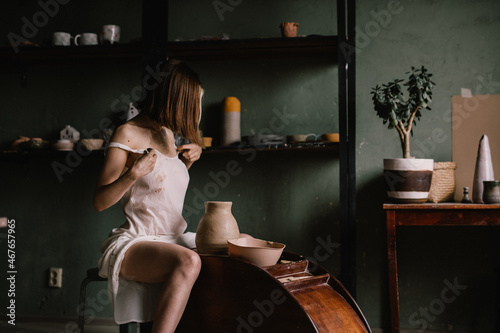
x: 408, y: 179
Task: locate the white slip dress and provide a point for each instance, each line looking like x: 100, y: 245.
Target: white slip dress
x: 153, y: 211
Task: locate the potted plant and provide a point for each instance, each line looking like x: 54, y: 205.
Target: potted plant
x: 408, y: 178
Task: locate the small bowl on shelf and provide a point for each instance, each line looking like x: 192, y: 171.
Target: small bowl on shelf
x: 34, y: 144
x: 63, y: 145
x: 91, y: 144
x: 256, y: 251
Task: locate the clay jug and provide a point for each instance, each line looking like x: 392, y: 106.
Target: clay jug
x: 216, y: 226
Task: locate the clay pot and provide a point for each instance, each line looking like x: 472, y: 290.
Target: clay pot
x: 289, y: 29
x: 408, y: 179
x: 216, y: 226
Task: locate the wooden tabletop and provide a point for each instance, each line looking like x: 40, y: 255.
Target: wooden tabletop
x: 444, y: 205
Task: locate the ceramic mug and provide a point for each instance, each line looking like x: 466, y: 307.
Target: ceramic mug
x: 61, y: 39
x: 207, y: 141
x: 86, y: 39
x: 330, y: 137
x: 491, y: 191
x: 110, y: 34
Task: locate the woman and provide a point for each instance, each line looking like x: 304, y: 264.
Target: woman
x: 148, y: 261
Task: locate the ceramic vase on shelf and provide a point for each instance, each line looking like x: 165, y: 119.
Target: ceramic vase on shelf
x: 216, y: 226
x: 231, y: 132
x: 289, y: 29
x: 484, y: 169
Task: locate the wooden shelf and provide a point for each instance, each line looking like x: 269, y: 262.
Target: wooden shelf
x: 33, y: 154
x: 252, y: 48
x: 24, y: 156
x: 188, y: 50
x: 71, y: 53
x: 285, y: 147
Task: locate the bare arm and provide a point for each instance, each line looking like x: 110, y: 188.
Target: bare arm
x: 116, y: 176
x: 113, y: 182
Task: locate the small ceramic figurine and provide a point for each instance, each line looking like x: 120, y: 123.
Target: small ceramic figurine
x: 69, y: 133
x: 466, y: 198
x: 132, y: 111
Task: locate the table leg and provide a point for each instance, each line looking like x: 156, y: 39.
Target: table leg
x: 392, y: 263
x: 497, y: 320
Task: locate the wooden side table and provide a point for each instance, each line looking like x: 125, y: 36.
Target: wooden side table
x: 427, y: 214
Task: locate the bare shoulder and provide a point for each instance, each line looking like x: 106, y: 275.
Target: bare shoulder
x: 129, y: 134
x: 124, y: 132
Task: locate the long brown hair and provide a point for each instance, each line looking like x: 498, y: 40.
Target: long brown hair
x: 176, y: 101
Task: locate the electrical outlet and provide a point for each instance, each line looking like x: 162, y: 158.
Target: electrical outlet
x: 55, y: 277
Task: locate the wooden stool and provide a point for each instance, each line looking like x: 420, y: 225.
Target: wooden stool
x: 92, y: 275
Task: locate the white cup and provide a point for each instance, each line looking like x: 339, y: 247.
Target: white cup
x: 110, y: 34
x: 61, y: 39
x: 86, y: 39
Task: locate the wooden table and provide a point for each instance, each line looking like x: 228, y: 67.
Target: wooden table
x: 427, y: 214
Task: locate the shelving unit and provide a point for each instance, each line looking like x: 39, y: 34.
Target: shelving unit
x: 155, y: 47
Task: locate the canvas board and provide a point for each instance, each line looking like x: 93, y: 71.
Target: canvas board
x: 471, y: 118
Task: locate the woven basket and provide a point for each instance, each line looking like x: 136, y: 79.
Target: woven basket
x: 443, y: 182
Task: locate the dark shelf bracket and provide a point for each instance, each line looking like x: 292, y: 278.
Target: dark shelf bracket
x: 154, y: 34
x: 347, y: 129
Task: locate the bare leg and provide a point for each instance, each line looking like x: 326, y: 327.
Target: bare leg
x: 176, y: 266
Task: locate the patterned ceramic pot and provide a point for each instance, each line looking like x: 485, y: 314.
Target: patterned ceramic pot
x: 408, y: 179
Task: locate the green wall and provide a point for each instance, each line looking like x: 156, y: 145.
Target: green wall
x: 285, y: 196
x: 458, y: 43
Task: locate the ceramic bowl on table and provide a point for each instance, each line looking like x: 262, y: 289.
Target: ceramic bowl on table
x: 256, y: 251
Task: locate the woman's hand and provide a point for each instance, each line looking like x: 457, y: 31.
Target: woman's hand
x: 144, y: 164
x: 190, y: 153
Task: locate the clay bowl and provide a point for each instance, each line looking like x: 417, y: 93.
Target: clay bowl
x: 63, y: 145
x: 91, y: 144
x: 256, y: 251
